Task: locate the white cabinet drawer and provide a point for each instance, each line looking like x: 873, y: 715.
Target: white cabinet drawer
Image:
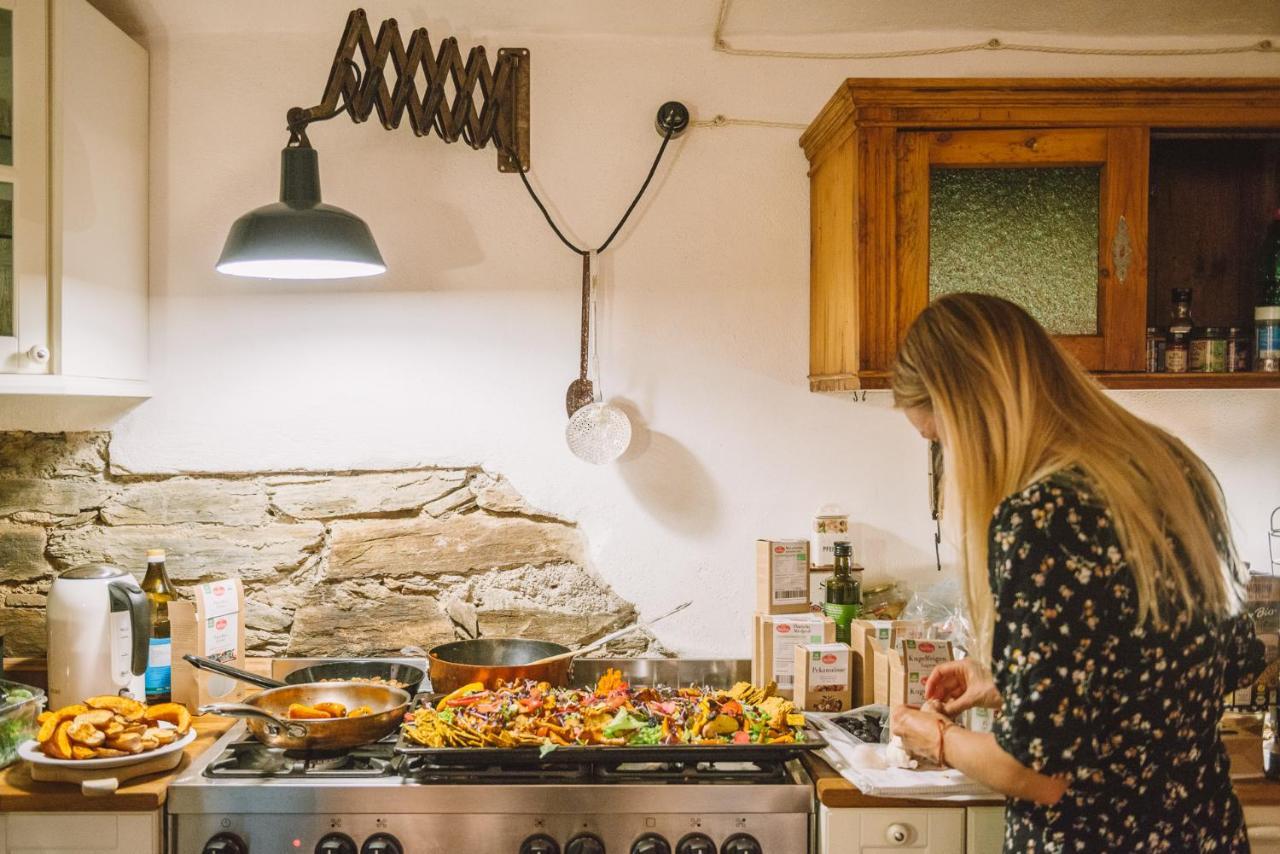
x: 887, y: 831
x: 81, y: 833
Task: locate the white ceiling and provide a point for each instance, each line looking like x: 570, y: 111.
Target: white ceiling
x: 748, y: 19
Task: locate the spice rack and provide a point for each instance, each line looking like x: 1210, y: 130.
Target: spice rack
x: 1212, y: 197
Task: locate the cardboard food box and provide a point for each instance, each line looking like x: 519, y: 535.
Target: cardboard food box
x: 911, y: 665
x: 1263, y: 604
x: 776, y: 637
x: 210, y: 624
x: 782, y: 576
x: 867, y: 637
x: 824, y: 677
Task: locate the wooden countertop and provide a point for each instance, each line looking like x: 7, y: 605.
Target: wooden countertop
x: 835, y: 791
x: 19, y: 793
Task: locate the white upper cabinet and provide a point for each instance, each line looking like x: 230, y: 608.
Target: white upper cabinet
x: 73, y: 202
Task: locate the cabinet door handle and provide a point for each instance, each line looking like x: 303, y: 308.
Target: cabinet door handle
x: 38, y: 354
x: 1121, y: 250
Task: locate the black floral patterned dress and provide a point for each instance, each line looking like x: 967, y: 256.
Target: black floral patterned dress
x: 1128, y: 715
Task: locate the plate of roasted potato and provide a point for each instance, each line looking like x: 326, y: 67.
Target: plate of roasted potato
x: 108, y: 732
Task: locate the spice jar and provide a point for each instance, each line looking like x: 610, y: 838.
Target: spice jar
x: 1238, y: 349
x: 1175, y: 353
x: 1155, y: 349
x: 1208, y: 350
x: 1266, y: 351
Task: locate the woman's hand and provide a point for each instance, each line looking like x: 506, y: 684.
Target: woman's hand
x: 961, y: 685
x: 920, y: 730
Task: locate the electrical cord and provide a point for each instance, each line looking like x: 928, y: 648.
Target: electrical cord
x: 666, y: 137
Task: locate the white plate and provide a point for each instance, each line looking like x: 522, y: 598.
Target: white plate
x: 30, y: 751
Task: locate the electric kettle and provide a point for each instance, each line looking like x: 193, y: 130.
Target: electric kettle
x: 99, y: 626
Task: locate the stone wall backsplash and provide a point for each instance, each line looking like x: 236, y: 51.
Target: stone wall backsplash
x: 333, y: 563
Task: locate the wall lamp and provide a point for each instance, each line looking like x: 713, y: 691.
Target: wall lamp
x: 301, y: 237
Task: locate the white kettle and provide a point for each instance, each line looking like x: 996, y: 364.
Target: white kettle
x: 99, y: 626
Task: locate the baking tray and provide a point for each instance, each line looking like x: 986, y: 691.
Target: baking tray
x: 608, y: 754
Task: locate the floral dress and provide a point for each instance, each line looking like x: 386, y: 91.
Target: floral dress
x: 1129, y: 716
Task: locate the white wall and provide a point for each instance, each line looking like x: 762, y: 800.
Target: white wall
x: 462, y: 352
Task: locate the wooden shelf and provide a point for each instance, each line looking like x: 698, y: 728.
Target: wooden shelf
x: 1251, y: 379
x: 1244, y: 379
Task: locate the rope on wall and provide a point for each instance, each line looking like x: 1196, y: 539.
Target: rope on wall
x: 721, y: 46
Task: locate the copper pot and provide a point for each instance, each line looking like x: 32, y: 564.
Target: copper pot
x: 486, y: 660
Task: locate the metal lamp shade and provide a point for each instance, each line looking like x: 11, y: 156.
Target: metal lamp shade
x: 299, y: 237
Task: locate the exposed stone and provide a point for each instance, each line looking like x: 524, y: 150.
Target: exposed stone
x: 22, y: 552
x: 568, y: 629
x: 25, y: 600
x: 52, y: 497
x: 496, y: 494
x: 24, y: 454
x: 194, y: 551
x: 23, y: 629
x: 460, y: 499
x: 457, y: 544
x: 367, y: 627
x: 565, y: 588
x: 186, y: 499
x: 268, y: 618
x: 361, y: 494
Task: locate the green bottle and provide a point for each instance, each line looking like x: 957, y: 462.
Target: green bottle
x: 843, y: 602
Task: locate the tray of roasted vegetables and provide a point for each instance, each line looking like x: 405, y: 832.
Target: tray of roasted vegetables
x: 612, y: 721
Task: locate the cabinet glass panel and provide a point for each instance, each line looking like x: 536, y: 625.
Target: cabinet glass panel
x: 6, y: 87
x: 1027, y: 234
x: 6, y: 259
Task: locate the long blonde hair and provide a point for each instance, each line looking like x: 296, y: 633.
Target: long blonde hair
x: 1011, y: 408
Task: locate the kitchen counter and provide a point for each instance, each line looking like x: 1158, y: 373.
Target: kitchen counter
x: 835, y: 791
x: 19, y: 793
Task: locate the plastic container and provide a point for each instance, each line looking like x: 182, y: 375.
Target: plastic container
x: 1266, y: 350
x: 18, y: 712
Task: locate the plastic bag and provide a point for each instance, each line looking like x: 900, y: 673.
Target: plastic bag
x: 941, y: 607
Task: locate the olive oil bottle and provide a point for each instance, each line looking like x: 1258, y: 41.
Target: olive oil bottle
x: 161, y: 592
x: 843, y: 600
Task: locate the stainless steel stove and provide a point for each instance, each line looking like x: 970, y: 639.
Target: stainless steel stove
x: 243, y: 798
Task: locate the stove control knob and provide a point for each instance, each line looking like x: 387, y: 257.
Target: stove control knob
x: 651, y: 843
x: 225, y: 843
x: 382, y: 843
x: 337, y: 843
x: 540, y: 844
x: 584, y: 843
x: 696, y: 843
x: 741, y: 843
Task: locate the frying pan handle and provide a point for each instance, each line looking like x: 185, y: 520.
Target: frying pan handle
x: 211, y: 666
x: 274, y: 725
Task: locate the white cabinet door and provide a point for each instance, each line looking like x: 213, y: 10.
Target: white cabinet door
x: 81, y: 833
x: 24, y: 211
x: 1264, y: 829
x: 886, y: 831
x: 984, y: 830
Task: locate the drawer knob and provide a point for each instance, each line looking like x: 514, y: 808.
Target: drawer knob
x: 897, y: 834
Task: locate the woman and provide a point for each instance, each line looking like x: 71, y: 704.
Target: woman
x: 1102, y: 580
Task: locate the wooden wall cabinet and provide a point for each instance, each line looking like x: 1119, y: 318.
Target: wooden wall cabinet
x: 1094, y: 197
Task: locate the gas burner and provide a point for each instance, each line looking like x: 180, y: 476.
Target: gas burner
x: 251, y: 759
x: 692, y: 772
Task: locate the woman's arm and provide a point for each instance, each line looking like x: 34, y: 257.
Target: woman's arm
x: 976, y: 754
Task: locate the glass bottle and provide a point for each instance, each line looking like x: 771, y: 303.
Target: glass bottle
x: 160, y: 591
x: 1271, y: 263
x: 843, y: 600
x: 1180, y: 316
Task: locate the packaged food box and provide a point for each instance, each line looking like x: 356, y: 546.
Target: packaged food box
x: 824, y: 677
x: 866, y: 638
x: 211, y: 625
x: 776, y: 637
x: 829, y: 527
x: 1263, y: 604
x: 910, y: 667
x: 782, y: 576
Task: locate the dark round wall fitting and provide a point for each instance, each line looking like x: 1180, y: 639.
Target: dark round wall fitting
x: 673, y: 119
